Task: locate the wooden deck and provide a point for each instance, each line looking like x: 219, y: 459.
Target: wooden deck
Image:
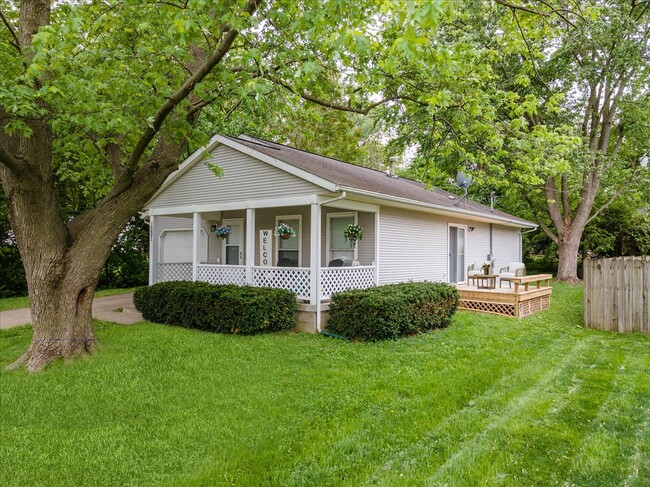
x: 505, y: 301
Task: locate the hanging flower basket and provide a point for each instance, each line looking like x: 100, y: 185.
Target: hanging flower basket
x: 352, y: 234
x: 284, y: 231
x: 223, y: 231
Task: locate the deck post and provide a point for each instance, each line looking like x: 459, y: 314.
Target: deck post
x: 196, y: 239
x: 315, y: 248
x: 153, y: 258
x: 250, y: 244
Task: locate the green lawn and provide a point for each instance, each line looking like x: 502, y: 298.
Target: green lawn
x: 23, y: 301
x: 487, y: 401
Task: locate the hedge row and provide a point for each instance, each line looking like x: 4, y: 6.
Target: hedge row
x: 391, y: 311
x: 219, y: 308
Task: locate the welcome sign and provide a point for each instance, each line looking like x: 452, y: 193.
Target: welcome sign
x: 266, y: 248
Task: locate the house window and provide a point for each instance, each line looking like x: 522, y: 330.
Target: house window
x: 338, y: 248
x: 289, y: 252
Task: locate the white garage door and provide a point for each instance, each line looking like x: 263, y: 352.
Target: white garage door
x: 177, y: 246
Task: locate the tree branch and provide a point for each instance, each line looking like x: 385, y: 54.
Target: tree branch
x: 14, y: 164
x: 550, y: 191
x: 566, y: 208
x: 327, y: 104
x: 541, y: 223
x: 188, y: 86
x: 520, y: 7
x: 16, y: 42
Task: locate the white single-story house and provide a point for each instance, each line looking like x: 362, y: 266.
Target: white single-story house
x: 409, y: 232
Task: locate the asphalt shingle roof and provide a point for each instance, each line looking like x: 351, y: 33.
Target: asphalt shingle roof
x: 349, y: 175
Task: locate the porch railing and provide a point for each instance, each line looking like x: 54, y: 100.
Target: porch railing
x: 222, y: 274
x: 335, y: 279
x: 297, y: 279
x: 177, y: 271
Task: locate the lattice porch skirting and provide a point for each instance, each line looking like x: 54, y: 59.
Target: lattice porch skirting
x: 504, y: 309
x: 520, y: 308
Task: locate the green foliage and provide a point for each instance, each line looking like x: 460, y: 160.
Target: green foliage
x: 128, y: 262
x: 219, y: 308
x: 391, y: 311
x: 12, y: 282
x: 619, y: 230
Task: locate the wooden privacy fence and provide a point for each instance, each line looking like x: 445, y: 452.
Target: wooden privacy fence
x: 617, y: 294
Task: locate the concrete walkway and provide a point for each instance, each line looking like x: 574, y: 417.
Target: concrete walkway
x: 105, y: 309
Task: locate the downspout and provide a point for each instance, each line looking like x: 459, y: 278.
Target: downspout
x: 340, y: 197
x: 491, y: 256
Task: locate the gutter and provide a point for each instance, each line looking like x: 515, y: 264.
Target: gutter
x: 340, y: 197
x: 519, y: 224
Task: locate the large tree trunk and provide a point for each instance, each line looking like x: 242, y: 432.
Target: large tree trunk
x: 568, y: 249
x: 62, y: 324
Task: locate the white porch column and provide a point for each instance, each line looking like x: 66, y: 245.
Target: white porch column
x: 377, y: 246
x: 250, y: 244
x: 153, y: 257
x: 196, y: 241
x: 314, y: 239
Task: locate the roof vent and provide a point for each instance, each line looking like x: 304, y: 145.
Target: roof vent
x: 391, y: 167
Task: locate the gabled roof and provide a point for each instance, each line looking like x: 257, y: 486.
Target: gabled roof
x: 334, y: 175
x: 360, y: 179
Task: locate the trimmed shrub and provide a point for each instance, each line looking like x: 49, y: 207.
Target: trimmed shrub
x: 219, y: 308
x: 391, y: 311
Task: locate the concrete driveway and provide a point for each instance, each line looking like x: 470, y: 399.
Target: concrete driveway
x: 118, y: 309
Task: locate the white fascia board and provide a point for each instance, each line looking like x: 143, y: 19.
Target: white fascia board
x: 185, y: 166
x: 301, y: 173
x: 236, y: 205
x: 438, y: 209
x: 346, y: 204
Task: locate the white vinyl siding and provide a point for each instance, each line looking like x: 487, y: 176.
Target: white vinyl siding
x: 412, y: 246
x: 507, y: 245
x: 244, y: 178
x: 478, y: 244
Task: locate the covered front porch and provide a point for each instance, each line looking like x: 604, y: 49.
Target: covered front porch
x: 316, y: 263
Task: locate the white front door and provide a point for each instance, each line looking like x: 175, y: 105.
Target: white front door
x: 456, y: 254
x: 232, y: 249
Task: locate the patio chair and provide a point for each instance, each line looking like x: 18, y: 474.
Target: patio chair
x: 335, y: 263
x: 285, y: 262
x: 514, y: 269
x: 476, y: 268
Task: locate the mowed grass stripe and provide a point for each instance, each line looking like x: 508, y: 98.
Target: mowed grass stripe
x: 482, y: 455
x: 432, y: 446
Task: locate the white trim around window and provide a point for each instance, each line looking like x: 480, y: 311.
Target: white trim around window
x: 463, y: 266
x: 278, y: 220
x: 328, y: 235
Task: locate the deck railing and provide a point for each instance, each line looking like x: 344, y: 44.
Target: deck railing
x: 335, y: 279
x: 176, y: 271
x: 296, y: 279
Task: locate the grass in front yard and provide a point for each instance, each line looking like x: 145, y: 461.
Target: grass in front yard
x: 488, y: 401
x: 23, y: 301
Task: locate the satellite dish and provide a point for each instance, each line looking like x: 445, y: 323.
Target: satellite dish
x: 463, y: 181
